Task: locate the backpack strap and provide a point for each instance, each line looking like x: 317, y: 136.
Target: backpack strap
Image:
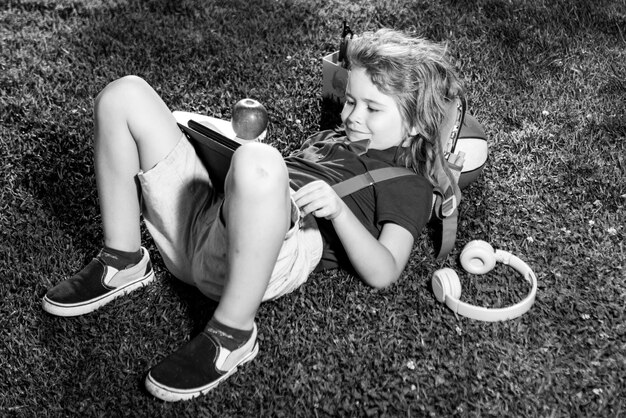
x: 445, y: 209
x: 368, y: 178
x: 448, y: 168
x: 455, y: 130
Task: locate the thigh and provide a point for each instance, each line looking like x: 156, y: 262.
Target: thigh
x: 300, y: 253
x: 179, y: 207
x: 131, y: 105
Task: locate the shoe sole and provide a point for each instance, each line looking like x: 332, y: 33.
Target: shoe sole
x: 75, y: 309
x: 170, y: 394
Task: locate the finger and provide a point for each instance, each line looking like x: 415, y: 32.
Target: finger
x: 305, y: 196
x: 313, y: 207
x: 319, y: 206
x: 309, y: 188
x: 320, y: 213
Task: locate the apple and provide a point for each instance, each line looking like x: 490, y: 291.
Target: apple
x: 249, y: 119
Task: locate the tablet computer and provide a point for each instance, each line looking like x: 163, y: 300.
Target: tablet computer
x: 214, y: 149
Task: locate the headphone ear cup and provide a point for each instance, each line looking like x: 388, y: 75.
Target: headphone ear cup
x: 445, y: 282
x: 478, y: 257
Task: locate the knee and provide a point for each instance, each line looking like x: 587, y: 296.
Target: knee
x: 258, y: 168
x: 120, y: 94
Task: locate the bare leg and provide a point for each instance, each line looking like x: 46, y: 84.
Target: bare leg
x: 257, y: 212
x: 134, y: 130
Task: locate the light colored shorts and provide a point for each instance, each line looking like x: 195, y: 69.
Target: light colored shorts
x: 182, y: 213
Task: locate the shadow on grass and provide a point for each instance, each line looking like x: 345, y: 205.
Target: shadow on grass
x: 198, y: 307
x: 330, y: 114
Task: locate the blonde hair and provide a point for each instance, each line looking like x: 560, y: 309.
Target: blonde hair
x: 418, y: 75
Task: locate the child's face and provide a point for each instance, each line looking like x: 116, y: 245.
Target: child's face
x: 370, y: 114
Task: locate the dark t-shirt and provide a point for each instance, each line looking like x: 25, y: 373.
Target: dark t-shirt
x: 328, y: 156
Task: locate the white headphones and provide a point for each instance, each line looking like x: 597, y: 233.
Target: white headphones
x: 478, y: 257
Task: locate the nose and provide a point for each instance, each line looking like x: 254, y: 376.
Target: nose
x: 353, y: 115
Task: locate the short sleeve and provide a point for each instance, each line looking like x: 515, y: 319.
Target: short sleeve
x: 405, y: 201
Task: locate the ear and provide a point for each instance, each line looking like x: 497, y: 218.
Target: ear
x: 412, y: 132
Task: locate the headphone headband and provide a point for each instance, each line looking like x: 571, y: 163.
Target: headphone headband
x: 478, y: 257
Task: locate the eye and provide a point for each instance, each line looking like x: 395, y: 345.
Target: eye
x: 372, y: 109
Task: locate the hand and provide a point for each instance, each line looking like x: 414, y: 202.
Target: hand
x: 319, y: 199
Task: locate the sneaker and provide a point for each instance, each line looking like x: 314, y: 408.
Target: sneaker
x: 96, y: 285
x: 197, y: 367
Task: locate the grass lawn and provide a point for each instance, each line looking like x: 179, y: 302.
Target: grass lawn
x: 547, y: 80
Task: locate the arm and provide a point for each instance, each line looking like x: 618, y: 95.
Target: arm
x: 379, y: 262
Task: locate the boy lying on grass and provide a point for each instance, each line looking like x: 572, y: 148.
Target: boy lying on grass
x: 278, y: 219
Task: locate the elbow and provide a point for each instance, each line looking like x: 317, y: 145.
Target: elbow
x: 382, y: 273
x: 381, y: 286
x: 383, y: 281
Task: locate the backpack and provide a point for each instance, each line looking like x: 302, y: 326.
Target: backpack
x: 463, y: 155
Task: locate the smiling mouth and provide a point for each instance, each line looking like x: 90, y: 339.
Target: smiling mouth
x: 356, y: 135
